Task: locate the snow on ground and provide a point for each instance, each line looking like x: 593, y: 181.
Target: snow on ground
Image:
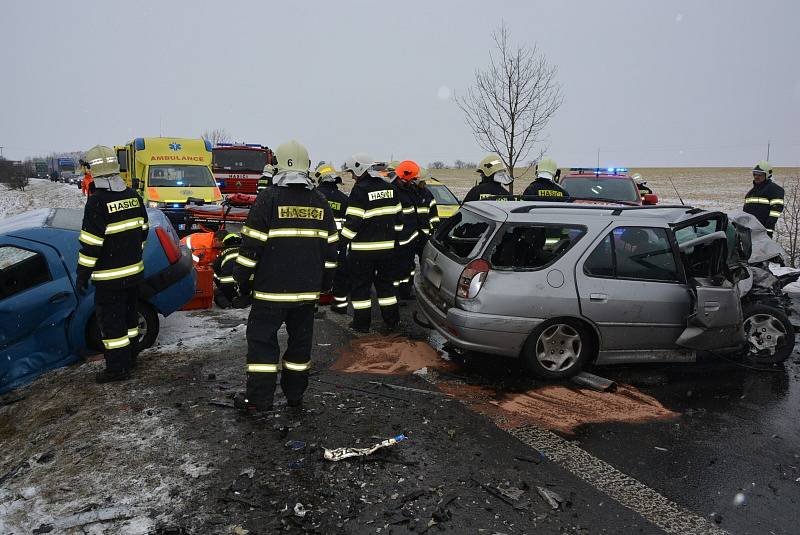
x: 97, y: 433
x: 41, y: 193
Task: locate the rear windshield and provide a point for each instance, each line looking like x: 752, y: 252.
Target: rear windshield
x: 180, y: 176
x: 239, y: 160
x: 608, y: 189
x: 463, y: 235
x: 442, y: 195
x: 532, y: 247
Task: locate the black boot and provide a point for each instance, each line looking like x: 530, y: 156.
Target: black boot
x: 248, y: 406
x: 107, y: 376
x: 359, y: 328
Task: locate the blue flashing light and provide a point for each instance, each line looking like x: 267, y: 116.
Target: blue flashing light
x: 176, y: 205
x: 138, y: 143
x: 257, y: 145
x: 179, y: 182
x: 224, y: 144
x: 610, y: 169
x: 220, y: 183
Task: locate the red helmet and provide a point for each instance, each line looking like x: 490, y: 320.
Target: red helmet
x: 407, y: 170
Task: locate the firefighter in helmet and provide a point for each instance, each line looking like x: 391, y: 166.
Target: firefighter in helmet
x: 287, y: 257
x: 495, y: 180
x: 545, y: 186
x: 112, y: 238
x: 328, y: 181
x: 371, y: 229
x: 765, y: 198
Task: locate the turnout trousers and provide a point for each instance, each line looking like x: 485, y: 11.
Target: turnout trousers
x: 119, y: 326
x: 404, y: 277
x: 367, y: 270
x: 341, y: 282
x: 264, y: 353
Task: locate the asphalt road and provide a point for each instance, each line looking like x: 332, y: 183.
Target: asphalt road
x: 731, y: 455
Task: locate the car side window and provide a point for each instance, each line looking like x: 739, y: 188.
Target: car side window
x: 20, y: 270
x: 532, y: 246
x: 462, y: 234
x: 639, y: 253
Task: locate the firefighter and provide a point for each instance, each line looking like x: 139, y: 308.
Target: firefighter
x: 204, y: 246
x: 227, y: 293
x: 371, y: 228
x: 427, y: 212
x: 494, y: 180
x: 545, y: 187
x: 406, y: 173
x: 287, y: 257
x: 327, y: 181
x: 266, y: 177
x: 641, y: 184
x: 765, y: 198
x: 112, y: 238
x: 87, y: 187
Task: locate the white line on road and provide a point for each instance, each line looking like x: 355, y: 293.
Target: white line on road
x: 631, y: 493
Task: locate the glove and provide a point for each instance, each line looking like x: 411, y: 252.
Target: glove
x: 83, y: 285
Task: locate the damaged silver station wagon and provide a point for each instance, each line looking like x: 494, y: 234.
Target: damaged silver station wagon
x: 561, y: 285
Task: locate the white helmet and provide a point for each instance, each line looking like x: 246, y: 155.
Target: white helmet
x: 359, y: 164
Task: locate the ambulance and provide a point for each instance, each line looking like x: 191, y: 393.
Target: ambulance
x: 168, y: 172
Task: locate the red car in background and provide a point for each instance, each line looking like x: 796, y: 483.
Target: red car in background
x: 237, y: 167
x: 606, y: 184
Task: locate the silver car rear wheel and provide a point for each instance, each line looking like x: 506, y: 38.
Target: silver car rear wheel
x: 558, y: 348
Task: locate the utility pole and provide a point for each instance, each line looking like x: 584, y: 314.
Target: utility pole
x: 1, y: 151
x: 768, y: 143
x: 597, y: 169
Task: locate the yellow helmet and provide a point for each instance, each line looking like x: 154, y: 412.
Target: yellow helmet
x: 326, y: 173
x: 547, y: 168
x: 490, y: 165
x: 102, y: 161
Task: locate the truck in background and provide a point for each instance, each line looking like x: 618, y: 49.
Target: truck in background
x: 63, y: 170
x: 238, y: 166
x: 168, y: 173
x: 40, y: 168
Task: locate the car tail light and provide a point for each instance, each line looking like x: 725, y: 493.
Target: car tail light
x: 472, y: 278
x: 171, y: 248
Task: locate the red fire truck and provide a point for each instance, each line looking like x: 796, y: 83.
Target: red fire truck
x: 237, y: 167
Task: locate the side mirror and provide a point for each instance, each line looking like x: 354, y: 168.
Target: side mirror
x: 650, y: 199
x: 136, y: 183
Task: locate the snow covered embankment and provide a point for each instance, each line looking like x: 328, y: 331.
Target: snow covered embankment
x: 41, y: 193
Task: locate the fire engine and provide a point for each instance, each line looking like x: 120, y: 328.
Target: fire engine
x: 238, y: 166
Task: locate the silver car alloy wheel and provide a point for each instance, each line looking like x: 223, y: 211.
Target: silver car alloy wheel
x: 558, y: 347
x: 764, y: 333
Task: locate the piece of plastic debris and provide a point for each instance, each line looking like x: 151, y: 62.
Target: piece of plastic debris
x: 512, y: 493
x: 239, y: 530
x: 408, y: 389
x: 595, y: 382
x: 249, y: 472
x: 295, y: 465
x: 300, y: 510
x: 296, y: 445
x: 739, y: 499
x: 551, y: 497
x: 660, y: 448
x: 337, y: 454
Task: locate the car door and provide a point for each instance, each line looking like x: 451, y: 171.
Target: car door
x: 715, y: 321
x: 36, y: 302
x: 634, y: 294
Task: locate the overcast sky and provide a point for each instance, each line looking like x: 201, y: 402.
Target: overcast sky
x: 674, y: 83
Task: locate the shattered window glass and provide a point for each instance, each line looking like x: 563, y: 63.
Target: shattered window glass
x: 20, y: 270
x: 463, y: 234
x: 532, y: 246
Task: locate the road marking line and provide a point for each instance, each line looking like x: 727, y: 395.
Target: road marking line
x: 629, y: 492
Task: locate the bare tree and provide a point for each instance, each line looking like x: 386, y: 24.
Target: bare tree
x: 788, y: 230
x: 436, y: 165
x: 511, y: 101
x: 459, y: 164
x: 216, y: 136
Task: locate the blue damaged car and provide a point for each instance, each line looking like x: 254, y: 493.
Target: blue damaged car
x: 44, y: 323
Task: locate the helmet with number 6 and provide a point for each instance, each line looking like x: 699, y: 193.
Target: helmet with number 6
x: 292, y: 156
